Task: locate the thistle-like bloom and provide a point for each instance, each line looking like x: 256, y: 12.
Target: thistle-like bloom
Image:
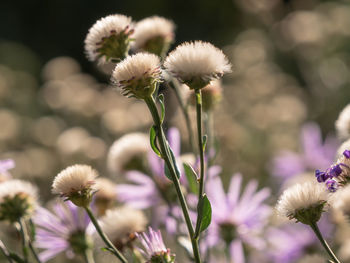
x: 18, y: 199
x: 154, y: 35
x: 138, y: 75
x: 303, y: 202
x: 128, y: 153
x: 109, y: 39
x: 67, y: 229
x: 342, y: 124
x: 76, y: 183
x: 197, y: 63
x: 154, y: 249
x: 120, y: 225
x: 6, y: 165
x: 237, y: 220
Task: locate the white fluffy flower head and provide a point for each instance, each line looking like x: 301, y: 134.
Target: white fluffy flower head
x: 76, y: 183
x: 18, y: 198
x: 137, y: 75
x: 121, y: 223
x: 109, y: 39
x: 127, y: 152
x: 197, y: 63
x: 342, y: 124
x: 304, y: 202
x: 154, y: 34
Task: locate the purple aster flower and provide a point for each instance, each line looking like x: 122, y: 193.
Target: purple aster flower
x: 67, y: 229
x: 315, y: 154
x: 154, y: 249
x: 6, y: 165
x: 237, y: 219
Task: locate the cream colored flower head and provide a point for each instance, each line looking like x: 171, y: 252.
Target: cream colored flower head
x: 154, y: 35
x: 197, y: 63
x: 109, y: 39
x: 304, y: 202
x: 341, y: 201
x: 121, y: 223
x: 128, y: 153
x: 76, y: 183
x: 18, y: 199
x: 138, y: 75
x: 342, y: 124
x: 105, y: 196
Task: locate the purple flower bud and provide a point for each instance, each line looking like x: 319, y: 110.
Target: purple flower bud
x: 332, y: 185
x: 321, y: 176
x: 346, y: 153
x: 335, y: 171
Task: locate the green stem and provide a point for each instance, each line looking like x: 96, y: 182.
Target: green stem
x: 105, y: 239
x: 24, y: 237
x: 6, y: 253
x: 169, y: 162
x: 201, y: 153
x: 88, y: 256
x: 323, y: 242
x: 184, y: 110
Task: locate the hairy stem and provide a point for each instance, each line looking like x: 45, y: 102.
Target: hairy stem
x: 103, y: 236
x: 171, y: 166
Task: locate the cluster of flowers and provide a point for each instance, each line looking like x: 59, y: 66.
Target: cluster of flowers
x: 191, y: 207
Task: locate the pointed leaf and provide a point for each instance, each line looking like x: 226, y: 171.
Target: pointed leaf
x: 192, y: 177
x: 173, y: 160
x: 204, y: 213
x: 161, y: 101
x: 205, y: 139
x: 153, y: 141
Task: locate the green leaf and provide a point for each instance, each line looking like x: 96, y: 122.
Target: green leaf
x: 192, y: 177
x: 153, y: 141
x: 204, y: 213
x: 205, y: 139
x: 173, y: 160
x: 161, y: 101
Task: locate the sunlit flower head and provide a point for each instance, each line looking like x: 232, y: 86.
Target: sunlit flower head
x: 76, y: 183
x: 18, y: 199
x: 67, y: 229
x: 138, y: 75
x: 128, y: 153
x: 342, y: 124
x: 197, y: 63
x: 120, y: 225
x: 304, y: 202
x: 154, y: 249
x: 109, y: 39
x: 154, y: 35
x: 341, y: 202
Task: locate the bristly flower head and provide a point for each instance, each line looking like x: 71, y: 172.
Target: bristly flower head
x: 109, y: 39
x: 342, y: 124
x: 17, y: 199
x: 154, y: 249
x: 154, y: 35
x: 75, y: 183
x: 304, y: 202
x: 138, y: 75
x: 121, y: 223
x: 197, y: 63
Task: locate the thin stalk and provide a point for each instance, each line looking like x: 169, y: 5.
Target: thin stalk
x: 24, y: 237
x: 6, y: 253
x: 105, y: 239
x: 88, y: 256
x: 169, y: 162
x: 34, y: 252
x: 323, y: 242
x: 184, y: 110
x: 201, y: 153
